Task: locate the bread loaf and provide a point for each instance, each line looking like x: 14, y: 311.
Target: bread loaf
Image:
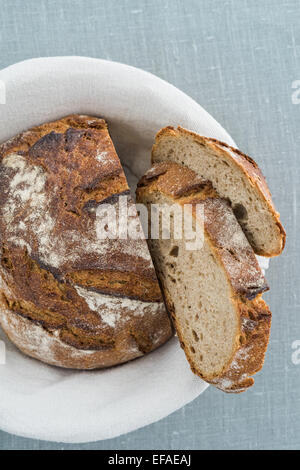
x: 234, y: 176
x: 213, y: 292
x: 67, y: 297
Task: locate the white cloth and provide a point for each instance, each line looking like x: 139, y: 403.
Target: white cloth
x: 44, y: 402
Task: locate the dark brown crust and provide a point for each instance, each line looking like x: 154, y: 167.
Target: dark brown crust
x: 24, y: 141
x: 240, y: 265
x: 125, y: 284
x: 245, y: 163
x: 67, y: 152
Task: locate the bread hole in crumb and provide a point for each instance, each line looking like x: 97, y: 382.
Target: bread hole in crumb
x: 192, y: 349
x: 174, y: 251
x: 240, y: 212
x: 170, y: 265
x: 197, y: 317
x: 196, y: 338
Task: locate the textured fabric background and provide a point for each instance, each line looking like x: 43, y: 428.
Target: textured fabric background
x: 238, y: 59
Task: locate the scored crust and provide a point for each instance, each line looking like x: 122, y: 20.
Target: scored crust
x: 98, y: 297
x: 235, y: 256
x: 243, y: 164
x: 44, y: 343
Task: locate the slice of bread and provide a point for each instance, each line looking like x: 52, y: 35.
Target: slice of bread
x: 213, y: 293
x: 234, y: 176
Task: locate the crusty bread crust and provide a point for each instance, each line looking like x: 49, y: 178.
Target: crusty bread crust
x: 46, y: 346
x: 244, y: 164
x: 98, y: 298
x: 246, y: 280
x: 40, y: 341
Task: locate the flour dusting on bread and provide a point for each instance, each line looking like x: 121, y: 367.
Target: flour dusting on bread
x: 113, y: 310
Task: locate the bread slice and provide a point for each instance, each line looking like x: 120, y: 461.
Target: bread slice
x: 235, y: 176
x: 213, y: 293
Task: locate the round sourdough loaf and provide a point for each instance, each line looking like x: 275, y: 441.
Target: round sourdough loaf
x: 66, y: 297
